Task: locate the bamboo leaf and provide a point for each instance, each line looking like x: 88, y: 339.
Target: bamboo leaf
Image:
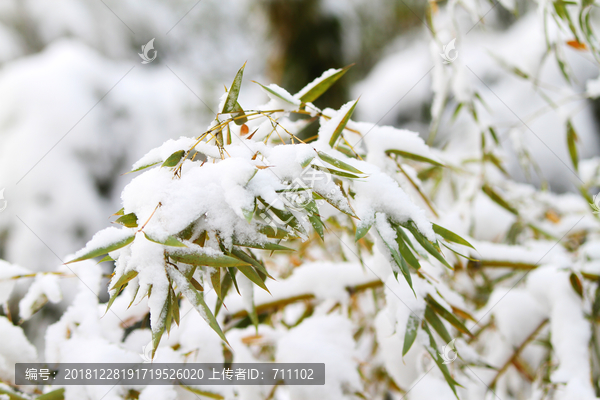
x: 58, y: 394
x: 128, y: 220
x: 572, y: 140
x: 274, y: 93
x: 415, y: 157
x: 105, y: 259
x: 263, y: 246
x: 335, y: 172
x: 576, y: 284
x: 447, y: 315
x: 338, y: 130
x: 233, y: 93
x: 320, y: 85
x: 143, y: 167
x: 399, y: 262
x: 250, y: 260
x: 337, y: 163
x: 215, y: 279
x: 362, y: 229
x: 251, y: 274
x: 317, y: 224
x: 411, y: 333
x: 437, y: 324
x: 125, y: 278
x: 174, y: 159
x: 427, y: 245
x: 432, y: 350
x: 169, y: 241
x: 105, y: 249
x: 159, y: 329
x: 200, y: 259
x: 196, y: 298
x: 451, y: 236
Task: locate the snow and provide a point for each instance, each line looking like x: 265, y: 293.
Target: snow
x: 14, y: 347
x: 322, y: 339
x: 45, y: 288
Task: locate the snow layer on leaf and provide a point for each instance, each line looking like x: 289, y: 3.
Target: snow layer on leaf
x: 283, y: 100
x: 328, y: 126
x: 380, y: 193
x: 316, y: 81
x: 160, y: 154
x: 104, y: 238
x: 148, y: 259
x: 44, y: 286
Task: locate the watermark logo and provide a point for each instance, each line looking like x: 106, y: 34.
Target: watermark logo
x: 3, y: 202
x: 146, y: 50
x: 449, y: 353
x: 595, y: 204
x: 146, y: 353
x: 446, y: 52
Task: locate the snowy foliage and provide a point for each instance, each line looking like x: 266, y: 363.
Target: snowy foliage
x: 364, y: 247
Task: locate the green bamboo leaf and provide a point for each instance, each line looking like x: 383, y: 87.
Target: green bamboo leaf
x: 450, y: 236
x: 159, y: 328
x: 572, y: 140
x: 426, y: 244
x: 105, y: 259
x: 233, y: 93
x: 120, y: 212
x: 125, y: 278
x: 250, y: 260
x: 128, y: 220
x: 338, y: 130
x: 447, y: 315
x: 251, y: 274
x: 319, y: 194
x: 226, y: 284
x: 437, y: 324
x: 175, y: 306
x: 200, y: 258
x: 274, y: 93
x: 335, y: 172
x: 215, y: 278
x: 411, y: 333
x: 143, y: 167
x: 263, y: 246
x: 174, y: 159
x: 576, y: 284
x: 196, y: 298
x: 431, y: 349
x: 316, y: 88
x: 362, y: 229
x: 58, y: 394
x: 169, y: 317
x: 404, y: 249
x: 169, y: 241
x: 399, y: 262
x: 105, y: 249
x: 337, y: 163
x: 317, y: 224
x: 285, y: 216
x: 492, y: 194
x: 274, y: 233
x: 412, y: 156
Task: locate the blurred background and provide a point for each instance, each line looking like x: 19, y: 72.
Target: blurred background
x: 78, y: 107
